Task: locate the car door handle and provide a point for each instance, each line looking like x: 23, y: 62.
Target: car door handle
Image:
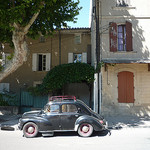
x: 76, y: 115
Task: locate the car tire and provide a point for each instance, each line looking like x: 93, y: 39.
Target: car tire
x: 85, y: 130
x: 30, y: 130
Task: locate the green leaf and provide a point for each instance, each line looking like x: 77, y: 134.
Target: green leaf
x: 61, y: 75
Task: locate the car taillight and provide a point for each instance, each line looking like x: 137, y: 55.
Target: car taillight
x: 101, y: 121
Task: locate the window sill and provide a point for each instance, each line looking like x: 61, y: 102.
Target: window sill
x: 121, y: 52
x: 123, y: 8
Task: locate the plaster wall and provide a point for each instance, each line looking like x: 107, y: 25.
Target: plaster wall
x: 110, y: 104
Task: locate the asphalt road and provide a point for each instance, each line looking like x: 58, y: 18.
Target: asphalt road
x: 123, y: 139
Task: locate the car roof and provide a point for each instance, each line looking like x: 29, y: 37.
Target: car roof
x: 65, y: 99
x: 61, y: 98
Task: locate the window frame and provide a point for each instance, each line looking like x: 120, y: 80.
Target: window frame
x: 83, y: 57
x: 41, y: 62
x: 79, y: 57
x: 123, y: 39
x: 35, y: 62
x: 77, y: 38
x: 113, y: 36
x: 52, y: 112
x: 122, y: 3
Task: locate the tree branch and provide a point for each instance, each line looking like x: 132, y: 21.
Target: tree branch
x: 15, y: 25
x: 26, y: 28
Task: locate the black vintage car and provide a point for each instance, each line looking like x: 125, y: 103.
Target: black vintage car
x: 62, y: 113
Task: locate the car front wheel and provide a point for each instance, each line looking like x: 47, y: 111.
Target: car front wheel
x: 30, y: 130
x: 85, y: 130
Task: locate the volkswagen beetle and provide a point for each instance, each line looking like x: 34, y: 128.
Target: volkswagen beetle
x: 62, y: 113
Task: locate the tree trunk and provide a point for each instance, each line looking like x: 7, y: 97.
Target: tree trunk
x: 20, y: 53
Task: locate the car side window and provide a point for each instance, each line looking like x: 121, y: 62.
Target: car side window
x: 69, y: 108
x: 52, y: 109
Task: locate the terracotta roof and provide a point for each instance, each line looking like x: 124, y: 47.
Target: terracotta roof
x: 82, y: 28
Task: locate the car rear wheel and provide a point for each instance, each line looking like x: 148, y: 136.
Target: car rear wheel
x: 85, y: 130
x: 30, y: 130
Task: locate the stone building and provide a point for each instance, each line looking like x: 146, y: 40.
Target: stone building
x: 120, y: 29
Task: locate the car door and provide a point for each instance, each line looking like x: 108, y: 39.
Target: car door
x: 68, y: 116
x: 52, y: 117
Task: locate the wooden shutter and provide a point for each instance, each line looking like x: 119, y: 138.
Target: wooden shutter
x: 129, y: 36
x: 48, y: 61
x: 113, y: 36
x: 70, y: 57
x: 34, y: 62
x: 84, y: 57
x: 125, y: 87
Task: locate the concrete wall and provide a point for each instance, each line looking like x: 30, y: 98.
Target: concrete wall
x: 139, y: 15
x: 9, y: 110
x: 141, y: 106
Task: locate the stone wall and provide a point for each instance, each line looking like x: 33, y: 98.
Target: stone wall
x: 8, y: 110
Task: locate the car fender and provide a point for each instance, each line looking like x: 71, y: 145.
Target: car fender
x: 88, y: 119
x: 37, y: 121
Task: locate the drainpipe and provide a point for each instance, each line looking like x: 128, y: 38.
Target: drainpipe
x: 59, y: 47
x: 98, y: 54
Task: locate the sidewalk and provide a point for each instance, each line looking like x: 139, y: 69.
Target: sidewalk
x: 116, y: 122
x: 128, y: 121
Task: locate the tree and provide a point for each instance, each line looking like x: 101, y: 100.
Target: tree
x: 64, y: 74
x: 29, y: 18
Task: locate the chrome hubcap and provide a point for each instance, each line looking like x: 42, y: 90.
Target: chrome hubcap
x: 85, y: 129
x: 30, y: 130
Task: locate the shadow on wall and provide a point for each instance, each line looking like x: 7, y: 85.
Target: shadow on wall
x: 123, y: 109
x: 140, y: 50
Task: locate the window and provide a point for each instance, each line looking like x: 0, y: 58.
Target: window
x: 6, y: 58
x: 41, y: 62
x: 37, y: 83
x: 4, y: 87
x: 51, y: 109
x: 77, y: 39
x: 120, y: 37
x: 69, y: 108
x: 42, y: 39
x: 122, y: 3
x: 75, y: 57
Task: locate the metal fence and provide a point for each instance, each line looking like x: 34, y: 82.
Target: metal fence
x: 25, y: 101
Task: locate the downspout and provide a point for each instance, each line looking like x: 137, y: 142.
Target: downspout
x: 100, y: 19
x: 59, y: 47
x: 98, y: 59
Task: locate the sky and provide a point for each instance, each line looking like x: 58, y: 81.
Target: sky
x: 83, y: 17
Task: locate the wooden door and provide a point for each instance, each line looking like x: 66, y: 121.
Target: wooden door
x: 125, y: 87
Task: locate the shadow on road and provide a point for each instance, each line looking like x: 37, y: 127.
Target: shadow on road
x: 72, y: 134
x: 128, y: 121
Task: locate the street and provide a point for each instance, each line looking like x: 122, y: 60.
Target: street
x: 123, y: 139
